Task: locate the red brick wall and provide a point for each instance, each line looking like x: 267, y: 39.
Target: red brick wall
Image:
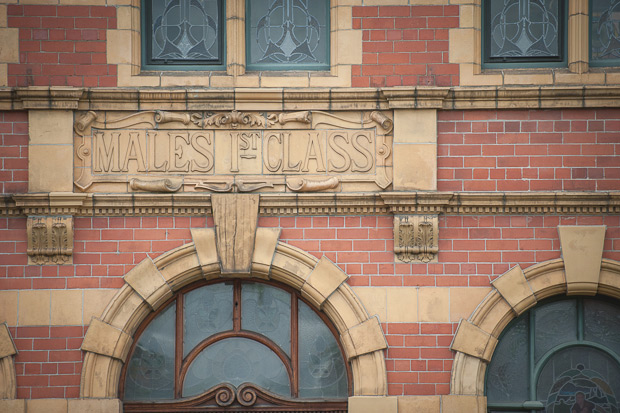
x: 473, y: 251
x: 536, y: 150
x: 62, y: 45
x: 13, y: 152
x: 49, y: 362
x: 419, y: 359
x: 405, y: 45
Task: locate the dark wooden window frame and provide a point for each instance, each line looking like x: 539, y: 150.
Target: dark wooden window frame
x: 255, y: 398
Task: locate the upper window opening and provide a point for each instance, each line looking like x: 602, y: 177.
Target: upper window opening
x: 604, y: 32
x: 181, y: 33
x: 243, y: 344
x: 524, y: 33
x: 287, y: 34
x: 561, y: 356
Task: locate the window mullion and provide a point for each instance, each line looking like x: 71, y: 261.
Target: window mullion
x: 178, y: 348
x: 532, y: 354
x: 237, y: 306
x: 580, y: 317
x: 294, y: 345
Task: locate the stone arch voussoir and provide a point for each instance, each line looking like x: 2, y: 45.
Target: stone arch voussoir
x: 152, y: 282
x: 513, y: 293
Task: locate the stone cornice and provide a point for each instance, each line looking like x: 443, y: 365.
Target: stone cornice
x: 276, y: 204
x: 529, y: 97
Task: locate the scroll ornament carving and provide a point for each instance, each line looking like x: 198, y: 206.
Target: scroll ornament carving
x: 50, y: 240
x: 232, y: 119
x: 416, y: 238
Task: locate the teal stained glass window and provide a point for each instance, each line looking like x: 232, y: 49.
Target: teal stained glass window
x: 524, y: 33
x: 183, y: 33
x: 287, y: 34
x: 236, y: 344
x: 561, y: 356
x: 604, y: 32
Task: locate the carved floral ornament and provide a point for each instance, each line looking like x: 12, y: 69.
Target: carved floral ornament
x: 305, y: 151
x: 50, y: 240
x: 416, y: 238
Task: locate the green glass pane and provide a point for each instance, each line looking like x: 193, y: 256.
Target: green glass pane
x: 150, y: 372
x: 207, y: 310
x: 523, y: 29
x: 322, y: 372
x: 185, y: 31
x: 555, y: 323
x: 236, y: 361
x: 507, y: 374
x: 287, y: 34
x: 267, y: 310
x: 581, y: 379
x: 605, y: 30
x: 602, y: 323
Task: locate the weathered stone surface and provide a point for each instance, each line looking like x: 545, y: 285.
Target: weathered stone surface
x: 236, y: 219
x: 515, y: 289
x: 582, y: 251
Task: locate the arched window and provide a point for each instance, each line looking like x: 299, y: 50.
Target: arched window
x: 561, y: 356
x: 249, y: 346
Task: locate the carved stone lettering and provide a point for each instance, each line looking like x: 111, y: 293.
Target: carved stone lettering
x: 234, y: 151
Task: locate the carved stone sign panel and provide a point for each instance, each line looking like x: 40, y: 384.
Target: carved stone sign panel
x: 233, y: 152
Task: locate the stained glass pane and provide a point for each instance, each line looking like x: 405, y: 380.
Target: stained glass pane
x: 580, y: 379
x: 287, y: 34
x: 508, y: 374
x: 150, y: 373
x: 523, y: 29
x: 267, y: 310
x: 602, y: 323
x: 555, y: 323
x: 208, y: 310
x: 605, y: 30
x: 322, y: 372
x: 185, y: 31
x: 236, y: 361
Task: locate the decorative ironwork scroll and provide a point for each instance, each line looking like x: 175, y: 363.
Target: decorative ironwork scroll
x: 288, y: 33
x: 184, y: 31
x: 416, y: 238
x: 50, y: 240
x: 523, y: 29
x: 605, y: 30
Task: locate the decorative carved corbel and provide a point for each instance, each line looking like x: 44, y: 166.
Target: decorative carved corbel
x: 50, y: 240
x: 416, y: 238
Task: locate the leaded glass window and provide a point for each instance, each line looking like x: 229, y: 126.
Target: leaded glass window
x: 287, y: 34
x: 182, y: 33
x: 236, y: 344
x: 524, y: 32
x: 561, y: 356
x: 604, y: 32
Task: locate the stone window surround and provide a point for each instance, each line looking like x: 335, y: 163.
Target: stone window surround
x: 345, y: 51
x: 466, y: 50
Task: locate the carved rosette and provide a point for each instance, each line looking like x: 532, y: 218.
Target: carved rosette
x: 50, y: 240
x: 416, y: 238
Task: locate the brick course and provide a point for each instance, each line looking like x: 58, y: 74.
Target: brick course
x: 535, y: 150
x: 62, y: 45
x: 13, y: 152
x: 405, y: 46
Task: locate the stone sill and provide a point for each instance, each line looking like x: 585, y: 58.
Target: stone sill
x: 278, y: 204
x: 518, y: 97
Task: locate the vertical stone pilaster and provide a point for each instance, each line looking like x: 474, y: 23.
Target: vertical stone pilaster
x: 50, y: 152
x: 415, y: 149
